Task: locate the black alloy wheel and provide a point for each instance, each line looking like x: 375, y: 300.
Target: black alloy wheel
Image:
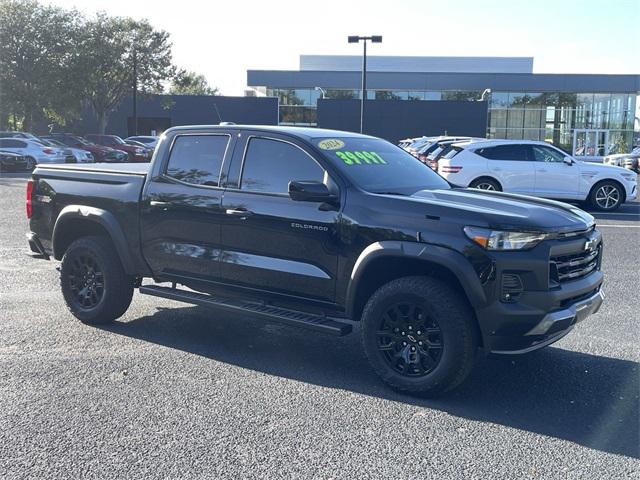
x: 410, y: 340
x: 86, y: 281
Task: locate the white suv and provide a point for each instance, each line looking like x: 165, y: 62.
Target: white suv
x: 539, y: 169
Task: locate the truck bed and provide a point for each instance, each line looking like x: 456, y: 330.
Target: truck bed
x: 109, y: 194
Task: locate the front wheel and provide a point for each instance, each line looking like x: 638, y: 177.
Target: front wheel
x: 419, y: 335
x: 606, y: 196
x: 31, y: 163
x: 94, y: 284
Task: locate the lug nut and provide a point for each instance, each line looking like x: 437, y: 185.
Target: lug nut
x: 420, y: 343
x: 410, y: 327
x: 413, y: 349
x: 404, y: 344
x: 402, y: 333
x: 419, y: 332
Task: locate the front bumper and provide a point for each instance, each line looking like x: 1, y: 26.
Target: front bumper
x: 557, y: 324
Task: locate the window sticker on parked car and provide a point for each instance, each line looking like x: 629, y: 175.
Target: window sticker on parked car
x: 361, y: 158
x: 331, y: 144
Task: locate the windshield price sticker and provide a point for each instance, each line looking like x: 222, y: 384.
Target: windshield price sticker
x: 331, y: 144
x: 361, y: 158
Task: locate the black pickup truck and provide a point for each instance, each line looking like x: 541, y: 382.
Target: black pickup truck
x: 319, y: 229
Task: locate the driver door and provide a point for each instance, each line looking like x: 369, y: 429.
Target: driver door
x: 269, y: 241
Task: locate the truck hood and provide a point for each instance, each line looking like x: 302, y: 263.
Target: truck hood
x: 506, y: 211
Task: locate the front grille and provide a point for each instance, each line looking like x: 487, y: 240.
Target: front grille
x: 573, y: 266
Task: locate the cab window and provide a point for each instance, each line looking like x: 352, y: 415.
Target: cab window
x: 269, y: 165
x: 197, y: 159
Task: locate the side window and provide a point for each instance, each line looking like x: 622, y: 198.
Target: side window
x: 546, y: 154
x: 197, y: 159
x: 11, y: 143
x: 513, y: 152
x: 269, y: 166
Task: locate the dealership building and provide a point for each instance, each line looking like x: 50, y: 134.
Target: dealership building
x: 589, y: 115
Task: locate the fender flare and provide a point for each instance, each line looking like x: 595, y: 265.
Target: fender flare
x: 102, y: 217
x: 442, y: 256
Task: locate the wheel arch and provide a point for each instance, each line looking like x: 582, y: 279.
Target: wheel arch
x: 487, y: 177
x: 76, y: 221
x: 623, y: 190
x: 384, y: 261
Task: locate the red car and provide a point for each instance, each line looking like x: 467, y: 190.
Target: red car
x: 136, y: 154
x: 100, y: 153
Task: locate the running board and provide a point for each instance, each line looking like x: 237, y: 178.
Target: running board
x: 266, y: 312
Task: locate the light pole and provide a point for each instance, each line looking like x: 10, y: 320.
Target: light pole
x: 356, y: 39
x: 135, y: 91
x: 323, y: 94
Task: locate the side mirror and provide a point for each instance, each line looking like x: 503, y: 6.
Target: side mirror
x: 569, y: 161
x: 308, y: 191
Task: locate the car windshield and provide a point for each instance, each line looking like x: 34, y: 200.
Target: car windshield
x: 378, y: 166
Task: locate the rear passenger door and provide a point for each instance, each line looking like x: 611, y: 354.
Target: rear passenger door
x: 269, y: 241
x: 181, y: 208
x: 512, y: 166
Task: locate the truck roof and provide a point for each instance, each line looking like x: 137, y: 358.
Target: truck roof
x: 305, y: 133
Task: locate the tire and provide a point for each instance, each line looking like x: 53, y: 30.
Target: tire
x: 606, y: 196
x: 440, y: 315
x: 485, y: 183
x: 94, y: 284
x: 31, y: 163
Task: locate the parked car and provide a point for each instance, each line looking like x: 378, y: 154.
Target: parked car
x: 136, y: 154
x: 148, y: 140
x: 630, y: 161
x: 10, y: 161
x: 34, y: 151
x: 431, y: 150
x: 149, y: 150
x: 81, y: 156
x: 318, y: 229
x: 99, y: 152
x: 538, y: 169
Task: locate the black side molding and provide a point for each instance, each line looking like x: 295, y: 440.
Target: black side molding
x: 266, y: 312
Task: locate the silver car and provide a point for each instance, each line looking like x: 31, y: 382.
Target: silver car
x: 34, y: 151
x: 81, y: 156
x: 627, y: 160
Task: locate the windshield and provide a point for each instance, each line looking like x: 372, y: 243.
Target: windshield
x: 377, y: 166
x: 118, y: 140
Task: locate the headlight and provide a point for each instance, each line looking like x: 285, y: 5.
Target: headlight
x: 503, y: 240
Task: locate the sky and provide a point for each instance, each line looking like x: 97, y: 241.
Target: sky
x: 223, y: 39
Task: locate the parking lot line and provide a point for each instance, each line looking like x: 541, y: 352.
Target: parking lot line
x: 619, y: 226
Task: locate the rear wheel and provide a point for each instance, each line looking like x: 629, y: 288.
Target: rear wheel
x: 486, y: 184
x: 94, y: 284
x: 419, y: 335
x: 606, y: 196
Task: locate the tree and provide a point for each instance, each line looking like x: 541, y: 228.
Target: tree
x: 112, y: 45
x: 190, y: 83
x: 38, y: 62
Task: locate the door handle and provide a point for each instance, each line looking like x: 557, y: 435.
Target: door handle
x: 542, y: 170
x: 239, y: 212
x: 156, y: 203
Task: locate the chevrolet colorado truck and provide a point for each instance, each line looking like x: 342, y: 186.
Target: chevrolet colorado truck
x: 321, y: 229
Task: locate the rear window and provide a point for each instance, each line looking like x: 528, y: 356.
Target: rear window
x: 513, y: 152
x: 378, y: 166
x: 451, y: 153
x: 435, y: 152
x: 197, y: 159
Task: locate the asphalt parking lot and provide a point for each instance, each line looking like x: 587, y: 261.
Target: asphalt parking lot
x: 173, y: 391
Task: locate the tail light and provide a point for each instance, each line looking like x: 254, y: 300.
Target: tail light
x: 48, y: 151
x: 29, y: 197
x: 450, y: 169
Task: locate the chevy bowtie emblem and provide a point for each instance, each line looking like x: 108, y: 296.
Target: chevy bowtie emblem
x: 589, y: 245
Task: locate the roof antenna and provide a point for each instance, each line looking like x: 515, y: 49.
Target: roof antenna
x: 218, y: 112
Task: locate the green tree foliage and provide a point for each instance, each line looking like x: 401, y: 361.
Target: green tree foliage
x: 38, y: 61
x: 190, y: 83
x: 115, y: 43
x: 53, y: 60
